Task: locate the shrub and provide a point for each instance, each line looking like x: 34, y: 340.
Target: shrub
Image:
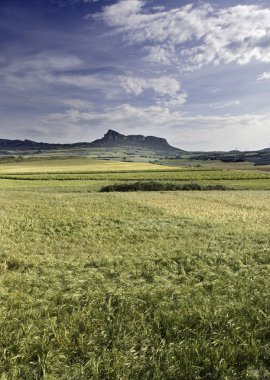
x: 158, y: 186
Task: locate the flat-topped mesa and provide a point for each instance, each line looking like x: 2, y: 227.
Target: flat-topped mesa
x: 115, y: 139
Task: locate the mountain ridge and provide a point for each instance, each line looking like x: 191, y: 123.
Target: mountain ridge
x: 114, y: 139
x: 110, y: 139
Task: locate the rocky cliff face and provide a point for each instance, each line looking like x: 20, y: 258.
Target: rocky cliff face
x: 114, y: 139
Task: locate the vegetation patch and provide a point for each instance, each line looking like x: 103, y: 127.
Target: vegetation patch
x: 159, y: 186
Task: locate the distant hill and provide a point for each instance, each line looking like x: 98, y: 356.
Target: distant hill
x: 110, y: 139
x: 114, y: 139
x: 18, y: 145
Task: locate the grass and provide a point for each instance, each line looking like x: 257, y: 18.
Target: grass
x: 131, y: 286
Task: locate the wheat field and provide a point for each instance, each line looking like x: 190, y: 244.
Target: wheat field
x: 131, y: 286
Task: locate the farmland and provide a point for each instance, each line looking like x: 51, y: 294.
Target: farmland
x: 145, y: 285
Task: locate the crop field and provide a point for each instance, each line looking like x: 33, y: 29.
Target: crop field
x: 165, y: 285
x: 74, y: 165
x: 89, y: 175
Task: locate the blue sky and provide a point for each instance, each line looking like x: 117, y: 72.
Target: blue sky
x: 194, y: 72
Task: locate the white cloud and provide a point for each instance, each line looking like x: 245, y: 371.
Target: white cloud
x: 77, y: 80
x: 188, y: 132
x: 163, y: 55
x: 80, y: 104
x: 167, y: 89
x: 263, y: 76
x: 162, y: 86
x: 220, y: 105
x: 36, y: 72
x: 238, y: 34
x: 44, y: 62
x: 120, y: 13
x: 175, y: 101
x: 108, y: 85
x: 31, y: 71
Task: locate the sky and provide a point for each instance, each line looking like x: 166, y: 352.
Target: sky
x: 194, y: 72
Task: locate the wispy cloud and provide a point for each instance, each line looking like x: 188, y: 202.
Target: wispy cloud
x: 220, y: 105
x: 34, y: 72
x: 44, y: 62
x: 167, y: 90
x: 238, y: 34
x: 161, y: 85
x: 264, y: 76
x: 79, y: 104
x: 30, y: 71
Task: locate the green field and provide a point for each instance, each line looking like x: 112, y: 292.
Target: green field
x: 133, y: 286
